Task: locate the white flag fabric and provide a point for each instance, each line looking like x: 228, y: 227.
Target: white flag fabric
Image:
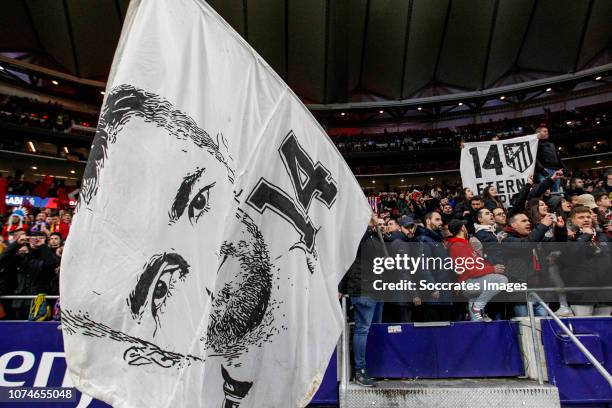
x: 505, y: 164
x: 214, y: 223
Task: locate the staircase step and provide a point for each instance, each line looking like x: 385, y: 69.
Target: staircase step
x: 473, y: 393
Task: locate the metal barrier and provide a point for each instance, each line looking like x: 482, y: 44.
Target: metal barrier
x: 345, y: 364
x: 531, y: 296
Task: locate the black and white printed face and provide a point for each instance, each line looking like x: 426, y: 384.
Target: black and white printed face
x: 170, y: 211
x: 179, y: 252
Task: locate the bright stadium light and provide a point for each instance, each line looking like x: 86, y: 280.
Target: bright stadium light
x: 381, y: 111
x: 72, y: 171
x: 54, y: 82
x: 1, y: 68
x: 66, y: 150
x: 102, y: 93
x: 342, y: 113
x: 34, y: 168
x: 31, y: 146
x: 402, y: 180
x: 502, y: 97
x: 419, y: 108
x: 598, y: 161
x: 373, y: 181
x: 598, y: 78
x: 460, y: 103
x: 548, y: 89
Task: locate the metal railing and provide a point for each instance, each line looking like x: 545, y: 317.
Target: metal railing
x: 531, y: 297
x: 345, y: 364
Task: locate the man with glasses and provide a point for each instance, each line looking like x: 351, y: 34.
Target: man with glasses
x: 499, y: 215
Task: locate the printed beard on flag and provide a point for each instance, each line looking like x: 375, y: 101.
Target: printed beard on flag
x: 202, y: 265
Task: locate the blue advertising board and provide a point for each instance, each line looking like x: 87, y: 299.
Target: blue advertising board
x: 32, y: 355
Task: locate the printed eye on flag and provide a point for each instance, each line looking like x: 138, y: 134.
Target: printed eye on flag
x: 215, y: 221
x: 504, y: 164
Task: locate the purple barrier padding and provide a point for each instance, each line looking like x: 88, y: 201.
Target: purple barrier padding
x: 34, y: 351
x: 328, y: 391
x: 462, y: 349
x: 578, y: 381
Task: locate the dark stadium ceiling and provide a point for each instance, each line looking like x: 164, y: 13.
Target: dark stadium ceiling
x: 332, y: 51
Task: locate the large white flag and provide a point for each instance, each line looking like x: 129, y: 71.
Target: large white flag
x: 504, y: 164
x: 215, y: 221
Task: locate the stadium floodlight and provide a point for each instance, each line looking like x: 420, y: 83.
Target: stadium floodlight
x: 54, y: 82
x: 1, y: 68
x: 31, y: 146
x: 102, y: 93
x: 72, y: 171
x: 381, y: 111
x: 460, y: 103
x: 598, y: 78
x: 419, y: 108
x: 502, y: 97
x: 34, y: 168
x: 342, y: 113
x: 548, y: 89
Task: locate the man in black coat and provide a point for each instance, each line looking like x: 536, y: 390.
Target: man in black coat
x: 587, y: 261
x: 548, y: 160
x: 410, y: 308
x: 366, y: 309
x: 438, y: 305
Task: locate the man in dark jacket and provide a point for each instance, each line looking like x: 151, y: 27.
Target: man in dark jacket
x: 548, y: 160
x: 366, y: 309
x: 587, y: 261
x: 438, y: 305
x: 519, y: 241
x: 35, y: 268
x: 410, y: 307
x: 393, y: 230
x: 485, y: 234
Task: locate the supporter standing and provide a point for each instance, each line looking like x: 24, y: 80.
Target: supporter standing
x: 587, y: 262
x: 499, y: 215
x: 366, y: 310
x: 479, y: 272
x: 411, y: 308
x: 462, y: 208
x: 438, y: 306
x: 520, y: 240
x: 491, y: 200
x: 548, y: 160
x: 392, y: 230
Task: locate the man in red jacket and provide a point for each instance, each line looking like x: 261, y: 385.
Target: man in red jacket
x: 473, y: 269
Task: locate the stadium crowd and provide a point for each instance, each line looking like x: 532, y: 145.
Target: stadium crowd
x: 31, y: 246
x: 555, y: 233
x: 33, y: 113
x: 419, y: 139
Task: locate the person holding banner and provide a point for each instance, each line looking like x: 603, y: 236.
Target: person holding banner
x: 548, y: 160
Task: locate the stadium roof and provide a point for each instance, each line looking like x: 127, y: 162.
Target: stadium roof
x: 333, y: 51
